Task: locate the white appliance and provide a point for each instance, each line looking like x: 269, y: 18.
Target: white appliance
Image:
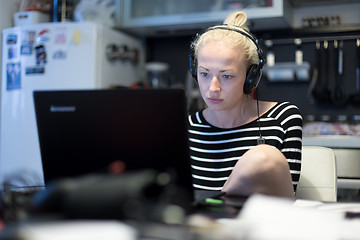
x: 55, y: 56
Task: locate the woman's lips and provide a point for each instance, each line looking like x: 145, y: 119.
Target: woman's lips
x: 215, y: 100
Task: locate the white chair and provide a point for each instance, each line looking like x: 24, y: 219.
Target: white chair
x: 318, y: 178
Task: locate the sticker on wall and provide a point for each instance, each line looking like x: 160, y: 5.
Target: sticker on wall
x: 28, y: 37
x: 12, y: 52
x: 35, y: 70
x: 60, y: 38
x: 40, y: 55
x: 43, y: 36
x: 59, y: 55
x: 26, y: 50
x: 13, y: 76
x: 27, y: 42
x: 76, y: 37
x: 11, y: 39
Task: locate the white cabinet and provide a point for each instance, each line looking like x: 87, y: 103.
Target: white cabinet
x: 144, y: 16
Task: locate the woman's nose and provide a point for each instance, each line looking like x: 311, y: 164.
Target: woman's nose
x: 214, y: 84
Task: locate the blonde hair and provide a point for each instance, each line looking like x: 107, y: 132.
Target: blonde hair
x: 236, y: 21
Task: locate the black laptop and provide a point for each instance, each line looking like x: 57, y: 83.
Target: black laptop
x: 85, y: 131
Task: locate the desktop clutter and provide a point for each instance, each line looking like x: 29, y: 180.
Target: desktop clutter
x: 130, y: 200
x: 143, y: 195
x: 146, y: 205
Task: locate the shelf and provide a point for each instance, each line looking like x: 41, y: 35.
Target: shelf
x: 147, y: 18
x: 350, y: 31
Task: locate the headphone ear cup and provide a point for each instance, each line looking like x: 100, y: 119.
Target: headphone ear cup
x: 193, y: 66
x: 192, y: 58
x: 252, y: 79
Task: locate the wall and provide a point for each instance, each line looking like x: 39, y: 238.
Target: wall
x: 174, y: 50
x: 297, y: 92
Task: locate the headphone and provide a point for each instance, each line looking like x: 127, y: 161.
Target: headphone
x: 253, y: 74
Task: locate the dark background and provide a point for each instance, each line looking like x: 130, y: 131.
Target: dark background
x: 174, y: 51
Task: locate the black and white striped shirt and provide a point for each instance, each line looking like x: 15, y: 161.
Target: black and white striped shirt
x: 215, y: 151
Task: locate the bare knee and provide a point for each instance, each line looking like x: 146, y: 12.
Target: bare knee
x: 261, y: 159
x: 262, y: 169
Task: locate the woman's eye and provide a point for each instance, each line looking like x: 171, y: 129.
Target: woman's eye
x: 203, y: 74
x: 227, y: 76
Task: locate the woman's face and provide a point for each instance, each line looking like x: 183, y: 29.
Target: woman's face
x: 221, y: 74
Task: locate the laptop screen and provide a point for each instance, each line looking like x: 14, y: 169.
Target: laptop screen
x: 86, y: 131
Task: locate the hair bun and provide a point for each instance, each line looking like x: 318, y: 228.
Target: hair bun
x: 237, y: 19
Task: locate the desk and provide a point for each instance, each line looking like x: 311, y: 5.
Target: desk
x: 266, y: 217
x: 262, y: 217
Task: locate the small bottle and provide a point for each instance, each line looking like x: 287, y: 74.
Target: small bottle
x: 342, y: 119
x: 298, y: 52
x: 325, y: 118
x: 270, y: 56
x: 309, y: 118
x: 356, y: 119
x: 326, y: 127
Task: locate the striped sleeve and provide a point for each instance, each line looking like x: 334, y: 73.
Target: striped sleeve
x: 290, y: 119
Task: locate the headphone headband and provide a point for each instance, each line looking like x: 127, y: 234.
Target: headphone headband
x: 245, y: 33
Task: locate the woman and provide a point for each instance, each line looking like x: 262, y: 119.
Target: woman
x: 230, y: 149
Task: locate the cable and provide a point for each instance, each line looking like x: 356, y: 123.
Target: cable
x: 260, y: 140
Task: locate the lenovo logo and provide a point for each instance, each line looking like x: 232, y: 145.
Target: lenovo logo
x: 62, y: 108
